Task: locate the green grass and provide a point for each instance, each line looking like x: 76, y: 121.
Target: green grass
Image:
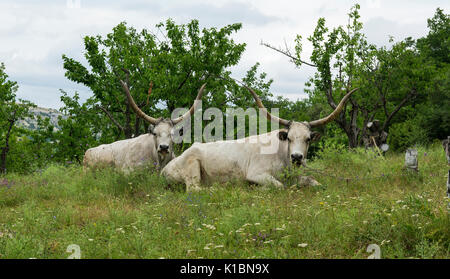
x: 110, y: 215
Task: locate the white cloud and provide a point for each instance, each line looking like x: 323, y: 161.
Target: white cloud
x: 35, y: 35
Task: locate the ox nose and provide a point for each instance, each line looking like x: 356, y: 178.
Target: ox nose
x: 164, y: 147
x: 297, y: 157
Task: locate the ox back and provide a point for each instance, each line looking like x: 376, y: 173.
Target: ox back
x: 257, y: 159
x: 126, y: 155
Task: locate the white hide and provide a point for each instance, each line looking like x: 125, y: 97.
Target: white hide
x: 127, y: 155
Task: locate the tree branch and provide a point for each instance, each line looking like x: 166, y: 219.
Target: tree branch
x: 111, y: 117
x: 185, y: 79
x: 330, y: 98
x: 288, y: 54
x: 399, y: 106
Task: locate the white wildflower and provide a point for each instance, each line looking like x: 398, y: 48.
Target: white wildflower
x: 282, y: 228
x: 211, y: 227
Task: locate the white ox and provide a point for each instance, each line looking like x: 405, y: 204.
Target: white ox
x: 258, y: 159
x: 155, y: 147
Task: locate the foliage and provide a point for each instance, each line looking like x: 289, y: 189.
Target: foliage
x: 177, y: 64
x: 77, y: 132
x: 436, y: 44
x: 433, y: 114
x: 405, y: 134
x: 393, y: 82
x: 11, y: 111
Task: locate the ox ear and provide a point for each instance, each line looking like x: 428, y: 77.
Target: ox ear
x: 282, y: 135
x: 315, y: 136
x: 151, y: 128
x: 181, y: 132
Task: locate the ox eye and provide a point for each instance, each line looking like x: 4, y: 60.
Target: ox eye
x: 308, y: 139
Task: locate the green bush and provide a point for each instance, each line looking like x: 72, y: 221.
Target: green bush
x: 406, y: 134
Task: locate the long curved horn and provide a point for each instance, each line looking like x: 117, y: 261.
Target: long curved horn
x: 133, y: 105
x: 193, y: 107
x: 335, y: 113
x: 268, y: 115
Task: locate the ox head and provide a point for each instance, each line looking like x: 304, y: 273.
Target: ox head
x: 298, y: 134
x: 162, y: 128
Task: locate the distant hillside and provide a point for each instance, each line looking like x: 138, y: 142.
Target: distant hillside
x: 31, y: 124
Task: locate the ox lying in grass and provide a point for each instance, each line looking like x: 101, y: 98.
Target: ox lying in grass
x: 156, y: 147
x: 257, y: 159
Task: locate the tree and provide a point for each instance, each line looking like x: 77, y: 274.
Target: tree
x: 433, y: 114
x: 176, y: 64
x: 388, y: 79
x: 399, y: 81
x: 11, y: 111
x: 77, y: 132
x: 436, y: 44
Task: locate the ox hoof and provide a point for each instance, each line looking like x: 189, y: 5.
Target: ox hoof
x: 307, y: 181
x: 194, y: 189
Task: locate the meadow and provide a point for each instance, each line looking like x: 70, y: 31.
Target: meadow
x: 364, y: 199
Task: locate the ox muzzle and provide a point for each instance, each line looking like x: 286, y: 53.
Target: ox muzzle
x: 163, y: 149
x: 297, y: 159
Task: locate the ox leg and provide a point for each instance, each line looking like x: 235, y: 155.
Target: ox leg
x: 193, y: 176
x: 265, y: 180
x: 307, y: 181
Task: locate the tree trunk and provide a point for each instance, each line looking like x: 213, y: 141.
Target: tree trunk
x: 127, y: 128
x: 350, y: 127
x: 137, y: 127
x: 352, y: 136
x: 5, y: 149
x: 3, y: 157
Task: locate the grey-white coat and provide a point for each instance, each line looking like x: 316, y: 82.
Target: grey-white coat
x: 154, y: 148
x: 257, y: 159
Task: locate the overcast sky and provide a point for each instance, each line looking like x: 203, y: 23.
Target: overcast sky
x: 34, y: 34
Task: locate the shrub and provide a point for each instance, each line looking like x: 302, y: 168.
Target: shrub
x: 406, y: 134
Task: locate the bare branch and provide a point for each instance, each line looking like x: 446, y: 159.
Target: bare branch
x: 111, y: 117
x: 185, y: 79
x: 288, y: 54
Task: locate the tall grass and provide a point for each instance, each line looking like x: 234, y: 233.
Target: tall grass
x: 364, y: 199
